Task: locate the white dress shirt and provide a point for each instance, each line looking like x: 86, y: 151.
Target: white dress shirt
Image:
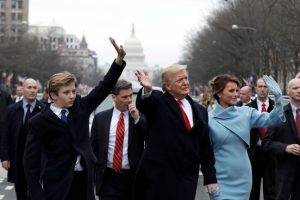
x: 57, y: 112
x: 188, y: 110
x: 112, y: 138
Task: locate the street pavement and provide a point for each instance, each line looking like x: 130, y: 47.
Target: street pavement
x: 7, y: 190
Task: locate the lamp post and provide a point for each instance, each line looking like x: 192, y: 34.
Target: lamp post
x: 234, y: 26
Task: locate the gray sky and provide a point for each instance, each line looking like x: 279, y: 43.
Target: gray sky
x: 161, y: 25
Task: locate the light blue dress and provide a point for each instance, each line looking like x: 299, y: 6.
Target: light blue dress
x: 230, y: 137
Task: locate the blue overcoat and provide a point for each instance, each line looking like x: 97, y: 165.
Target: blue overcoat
x: 230, y: 138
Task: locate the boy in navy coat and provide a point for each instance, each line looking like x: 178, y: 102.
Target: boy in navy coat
x: 58, y: 161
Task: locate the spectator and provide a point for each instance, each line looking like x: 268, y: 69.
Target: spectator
x: 118, y: 143
x: 263, y: 164
x: 284, y: 143
x: 14, y: 138
x: 245, y: 96
x: 19, y: 94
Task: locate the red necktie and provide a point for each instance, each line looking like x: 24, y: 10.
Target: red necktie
x: 186, y: 119
x: 118, y: 152
x: 298, y: 122
x: 263, y: 131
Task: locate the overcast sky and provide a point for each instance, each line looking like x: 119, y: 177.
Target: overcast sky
x: 161, y: 25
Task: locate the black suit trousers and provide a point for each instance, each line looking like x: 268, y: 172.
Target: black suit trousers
x: 78, y: 187
x: 21, y: 186
x: 263, y: 169
x: 116, y: 186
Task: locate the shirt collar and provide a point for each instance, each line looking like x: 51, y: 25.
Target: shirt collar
x: 118, y: 112
x: 26, y: 102
x: 259, y: 103
x: 58, y: 110
x: 294, y: 108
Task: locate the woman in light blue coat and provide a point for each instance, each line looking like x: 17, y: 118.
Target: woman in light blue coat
x: 230, y: 135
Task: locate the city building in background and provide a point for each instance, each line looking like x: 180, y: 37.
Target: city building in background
x: 49, y: 37
x: 72, y: 50
x: 13, y: 18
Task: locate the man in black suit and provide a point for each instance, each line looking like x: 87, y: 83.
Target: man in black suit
x: 245, y: 96
x: 284, y: 141
x: 19, y: 94
x: 5, y: 100
x: 58, y: 161
x: 14, y: 138
x: 263, y: 163
x: 113, y: 182
x: 178, y: 140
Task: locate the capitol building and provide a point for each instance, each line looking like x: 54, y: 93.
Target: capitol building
x: 135, y: 60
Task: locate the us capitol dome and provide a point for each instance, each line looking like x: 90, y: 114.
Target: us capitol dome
x: 135, y: 58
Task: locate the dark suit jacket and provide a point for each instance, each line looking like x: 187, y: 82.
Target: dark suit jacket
x: 275, y: 142
x: 173, y: 153
x: 240, y: 103
x: 5, y: 100
x: 52, y: 145
x: 255, y: 132
x: 10, y: 147
x: 100, y: 138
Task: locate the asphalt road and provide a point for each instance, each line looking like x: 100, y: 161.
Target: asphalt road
x: 7, y: 191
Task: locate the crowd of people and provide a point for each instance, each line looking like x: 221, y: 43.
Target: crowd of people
x: 154, y: 149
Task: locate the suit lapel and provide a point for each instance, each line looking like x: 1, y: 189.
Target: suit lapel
x: 130, y: 129
x: 172, y: 104
x: 195, y: 111
x: 271, y: 105
x: 51, y: 116
x: 106, y: 127
x: 291, y: 120
x: 255, y: 104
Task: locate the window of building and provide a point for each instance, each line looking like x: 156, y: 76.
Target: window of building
x: 2, y: 4
x: 71, y: 39
x: 13, y: 16
x: 20, y: 4
x: 2, y: 16
x: 14, y: 4
x: 20, y: 16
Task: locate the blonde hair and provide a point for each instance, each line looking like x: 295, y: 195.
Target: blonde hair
x: 168, y: 73
x: 59, y: 80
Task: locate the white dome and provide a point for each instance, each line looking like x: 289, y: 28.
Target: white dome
x: 134, y: 51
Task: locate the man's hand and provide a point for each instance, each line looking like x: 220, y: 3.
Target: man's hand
x: 119, y: 50
x: 293, y: 149
x: 145, y: 80
x: 211, y: 187
x: 6, y: 164
x: 134, y: 112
